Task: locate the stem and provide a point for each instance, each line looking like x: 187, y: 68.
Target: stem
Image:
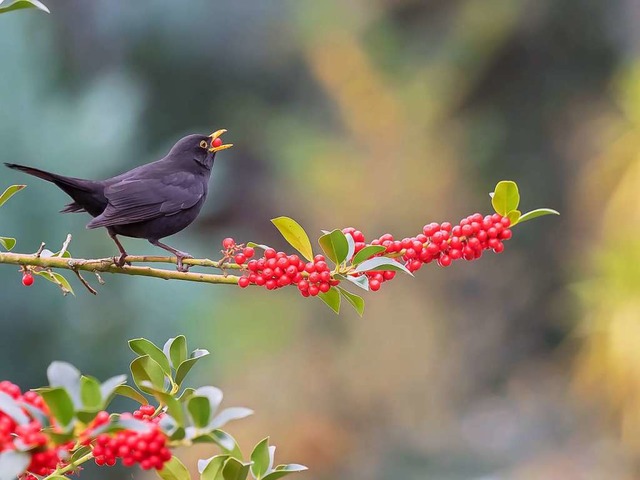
x: 107, y: 265
x: 70, y: 467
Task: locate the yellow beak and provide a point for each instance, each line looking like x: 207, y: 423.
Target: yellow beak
x: 215, y: 135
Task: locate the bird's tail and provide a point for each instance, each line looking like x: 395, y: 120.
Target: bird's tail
x: 71, y: 186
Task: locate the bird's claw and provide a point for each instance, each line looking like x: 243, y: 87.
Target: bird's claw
x: 181, y: 266
x: 120, y: 261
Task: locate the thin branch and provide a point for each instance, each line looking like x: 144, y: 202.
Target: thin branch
x: 65, y: 245
x: 108, y: 265
x: 85, y: 283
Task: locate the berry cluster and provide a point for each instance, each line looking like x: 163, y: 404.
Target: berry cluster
x: 45, y: 457
x: 148, y: 448
x: 439, y: 242
x: 277, y: 269
x: 239, y: 253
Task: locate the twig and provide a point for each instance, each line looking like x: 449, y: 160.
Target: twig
x: 40, y: 249
x: 84, y: 282
x: 65, y: 245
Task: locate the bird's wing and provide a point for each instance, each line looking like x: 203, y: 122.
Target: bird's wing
x: 133, y: 200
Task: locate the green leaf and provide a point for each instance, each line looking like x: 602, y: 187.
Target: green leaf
x: 7, y: 243
x: 505, y: 197
x: 177, y: 348
x: 60, y: 404
x: 381, y: 263
x: 109, y: 386
x: 514, y: 216
x: 538, y: 212
x: 335, y: 246
x: 257, y: 245
x: 356, y: 301
x: 13, y: 463
x: 174, y: 469
x: 145, y: 369
x: 331, y: 298
x: 234, y: 469
x: 227, y: 443
x: 11, y: 408
x: 58, y: 279
x: 187, y: 365
x: 79, y: 453
x: 295, y: 235
x: 142, y: 346
x: 229, y: 414
x: 132, y: 393
x: 211, y: 469
x: 260, y: 458
x: 284, y: 470
x: 10, y: 5
x: 90, y: 392
x: 352, y: 247
x: 174, y: 407
x: 199, y: 410
x: 65, y: 375
x: 362, y: 281
x: 13, y: 189
x: 213, y: 394
x: 367, y: 252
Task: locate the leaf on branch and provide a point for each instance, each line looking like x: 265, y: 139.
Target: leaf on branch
x: 145, y: 369
x: 295, y: 235
x: 211, y: 468
x: 284, y: 470
x: 65, y: 375
x: 538, y: 212
x: 60, y: 404
x: 175, y: 349
x: 58, y: 279
x: 514, y: 217
x: 187, y: 365
x: 174, y: 469
x: 90, y: 392
x: 505, y: 197
x: 382, y: 263
x: 331, y: 298
x: 13, y: 463
x: 132, y: 393
x: 10, y: 5
x: 367, y: 252
x: 13, y: 189
x: 234, y: 469
x: 335, y: 246
x: 354, y: 300
x: 7, y: 243
x: 142, y: 346
x: 260, y: 459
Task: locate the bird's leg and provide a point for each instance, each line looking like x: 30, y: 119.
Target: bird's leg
x: 179, y: 255
x: 119, y: 261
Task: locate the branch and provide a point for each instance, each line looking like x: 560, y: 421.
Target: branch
x: 107, y: 265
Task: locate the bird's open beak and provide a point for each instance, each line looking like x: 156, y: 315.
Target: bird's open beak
x: 215, y: 135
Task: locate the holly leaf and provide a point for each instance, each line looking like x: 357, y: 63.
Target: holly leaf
x: 381, y: 263
x: 295, y: 235
x: 539, y: 212
x: 367, y: 252
x: 354, y: 300
x: 13, y: 189
x: 58, y: 279
x: 331, y: 298
x: 514, y: 216
x: 174, y: 469
x: 13, y: 463
x: 142, y: 346
x: 132, y: 393
x: 260, y: 458
x: 184, y: 368
x: 335, y: 246
x: 505, y: 197
x: 7, y: 243
x: 284, y: 470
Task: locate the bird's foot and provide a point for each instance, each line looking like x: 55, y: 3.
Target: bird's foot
x: 120, y: 261
x: 179, y: 257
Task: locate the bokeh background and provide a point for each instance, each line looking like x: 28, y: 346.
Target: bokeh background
x: 380, y: 114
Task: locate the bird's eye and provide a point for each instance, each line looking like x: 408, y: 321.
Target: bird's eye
x: 203, y: 144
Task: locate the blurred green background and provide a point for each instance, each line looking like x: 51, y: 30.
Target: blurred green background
x: 383, y: 115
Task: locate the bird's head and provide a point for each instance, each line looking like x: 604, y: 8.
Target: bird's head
x: 201, y: 148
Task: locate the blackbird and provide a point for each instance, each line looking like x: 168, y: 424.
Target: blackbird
x: 151, y: 201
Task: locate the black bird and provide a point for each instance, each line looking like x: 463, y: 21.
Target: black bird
x: 151, y: 201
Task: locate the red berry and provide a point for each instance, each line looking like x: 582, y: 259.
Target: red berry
x: 216, y: 142
x: 374, y: 285
x: 243, y: 282
x: 240, y: 258
x: 27, y: 279
x: 228, y: 243
x: 248, y: 252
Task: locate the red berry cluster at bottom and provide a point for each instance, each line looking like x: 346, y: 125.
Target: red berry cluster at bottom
x: 148, y: 448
